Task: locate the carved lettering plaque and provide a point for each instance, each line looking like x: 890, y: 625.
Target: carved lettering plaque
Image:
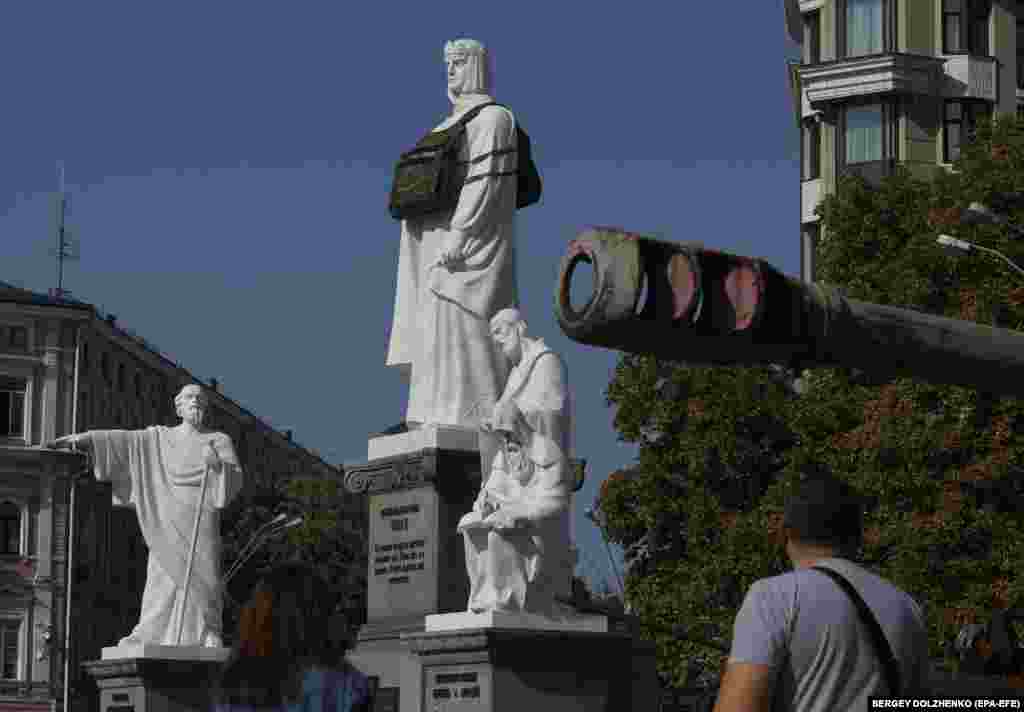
x: 403, y: 553
x: 457, y: 688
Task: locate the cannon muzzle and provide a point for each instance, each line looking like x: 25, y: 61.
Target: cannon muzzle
x: 703, y: 307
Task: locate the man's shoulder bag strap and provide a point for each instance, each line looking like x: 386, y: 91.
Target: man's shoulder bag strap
x: 881, y: 643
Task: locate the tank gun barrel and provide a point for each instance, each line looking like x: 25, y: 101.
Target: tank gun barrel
x: 705, y: 307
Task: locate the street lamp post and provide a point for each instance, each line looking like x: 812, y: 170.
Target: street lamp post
x: 957, y: 246
x: 981, y: 214
x: 592, y: 516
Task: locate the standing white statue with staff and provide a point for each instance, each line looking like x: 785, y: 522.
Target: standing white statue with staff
x: 456, y: 266
x: 176, y: 480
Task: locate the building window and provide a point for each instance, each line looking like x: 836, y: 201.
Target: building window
x: 864, y: 134
x: 977, y: 26
x: 810, y: 234
x: 83, y: 359
x: 12, y: 407
x: 864, y: 27
x: 83, y: 412
x: 120, y: 377
x: 867, y: 145
x: 1020, y: 55
x: 812, y: 38
x: 10, y: 635
x: 138, y: 386
x: 965, y: 26
x: 105, y: 368
x: 959, y: 123
x: 17, y: 338
x: 10, y: 528
x: 810, y: 150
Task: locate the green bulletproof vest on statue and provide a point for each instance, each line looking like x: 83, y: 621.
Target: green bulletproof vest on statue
x: 429, y: 178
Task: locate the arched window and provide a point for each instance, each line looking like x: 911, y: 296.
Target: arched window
x: 10, y: 528
x: 105, y: 368
x: 19, y: 338
x: 10, y: 634
x: 12, y: 407
x: 83, y: 412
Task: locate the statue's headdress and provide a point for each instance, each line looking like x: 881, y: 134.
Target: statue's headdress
x: 478, y: 62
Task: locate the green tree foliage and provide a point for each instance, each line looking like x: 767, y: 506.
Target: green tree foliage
x: 720, y: 448
x: 329, y: 539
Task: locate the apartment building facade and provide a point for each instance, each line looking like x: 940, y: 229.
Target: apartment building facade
x: 65, y: 367
x: 887, y: 82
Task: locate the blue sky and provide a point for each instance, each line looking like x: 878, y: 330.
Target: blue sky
x: 228, y: 165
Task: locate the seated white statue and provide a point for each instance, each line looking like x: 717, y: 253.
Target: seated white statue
x: 518, y: 553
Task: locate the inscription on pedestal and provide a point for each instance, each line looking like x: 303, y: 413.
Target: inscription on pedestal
x: 457, y: 688
x: 386, y: 700
x: 403, y: 553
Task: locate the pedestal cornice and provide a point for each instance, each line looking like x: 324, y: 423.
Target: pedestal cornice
x: 392, y: 473
x: 407, y: 470
x: 432, y: 643
x: 144, y: 667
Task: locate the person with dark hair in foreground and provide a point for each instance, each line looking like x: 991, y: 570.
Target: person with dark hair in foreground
x: 800, y: 640
x: 283, y: 658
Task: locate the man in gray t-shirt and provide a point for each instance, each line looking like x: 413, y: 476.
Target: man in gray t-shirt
x: 799, y: 638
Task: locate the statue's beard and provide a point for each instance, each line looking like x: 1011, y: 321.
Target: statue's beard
x: 193, y: 416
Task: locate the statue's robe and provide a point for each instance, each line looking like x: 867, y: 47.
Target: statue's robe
x: 440, y: 334
x: 524, y: 568
x: 159, y: 477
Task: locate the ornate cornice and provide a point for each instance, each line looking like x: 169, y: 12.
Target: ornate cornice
x: 101, y: 669
x: 477, y: 639
x: 971, y: 77
x: 392, y: 473
x: 405, y: 471
x: 390, y: 628
x: 448, y: 642
x: 148, y: 668
x: 874, y: 74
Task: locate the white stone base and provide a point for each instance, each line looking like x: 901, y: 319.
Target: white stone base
x: 466, y: 620
x: 166, y: 652
x: 448, y: 437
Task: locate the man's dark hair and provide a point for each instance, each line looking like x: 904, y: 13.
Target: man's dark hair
x: 825, y: 511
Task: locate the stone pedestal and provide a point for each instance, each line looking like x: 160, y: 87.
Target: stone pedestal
x: 427, y: 653
x: 419, y: 484
x: 501, y: 669
x: 175, y: 682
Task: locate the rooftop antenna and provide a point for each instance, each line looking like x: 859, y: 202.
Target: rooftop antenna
x: 67, y: 247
